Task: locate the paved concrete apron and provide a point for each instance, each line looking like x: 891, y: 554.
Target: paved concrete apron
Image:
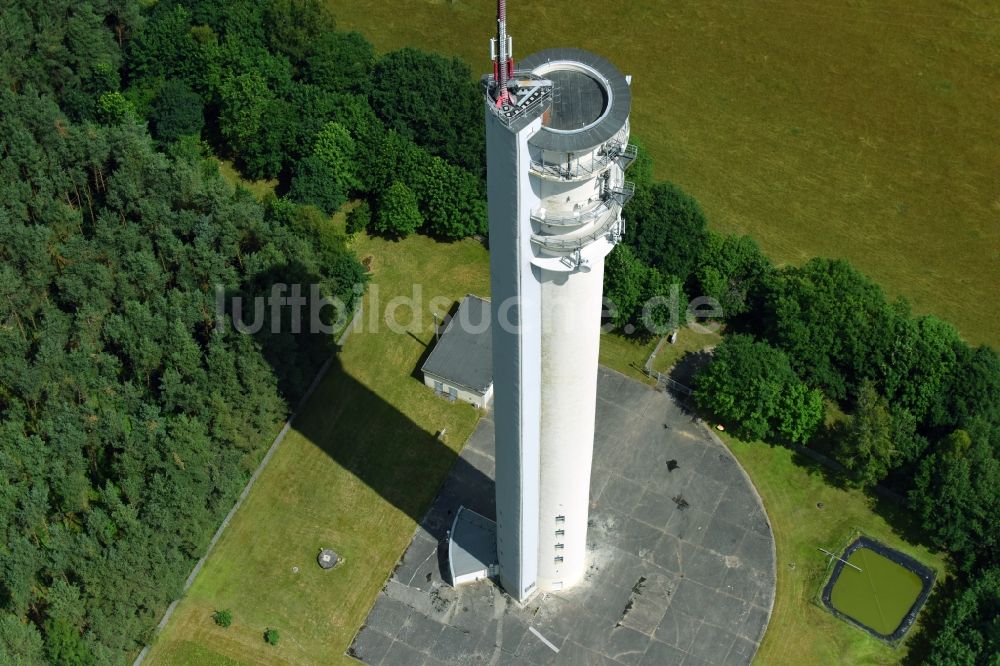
x: 682, y: 560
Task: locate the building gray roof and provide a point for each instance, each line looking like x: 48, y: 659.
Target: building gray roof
x: 463, y: 356
x: 473, y: 544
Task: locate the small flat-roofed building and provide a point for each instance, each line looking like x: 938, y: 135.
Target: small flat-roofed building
x: 460, y: 367
x: 472, y: 548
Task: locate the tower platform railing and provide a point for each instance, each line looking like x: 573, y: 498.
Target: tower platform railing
x: 610, y: 229
x: 574, y: 218
x: 576, y: 170
x: 533, y: 93
x: 613, y: 201
x: 622, y: 193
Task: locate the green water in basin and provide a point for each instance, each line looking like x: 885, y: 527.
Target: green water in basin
x: 880, y: 595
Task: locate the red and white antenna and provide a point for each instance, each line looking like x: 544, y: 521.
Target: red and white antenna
x: 501, y: 50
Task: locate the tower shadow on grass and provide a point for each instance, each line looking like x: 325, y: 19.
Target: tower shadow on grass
x: 379, y: 445
x: 396, y: 458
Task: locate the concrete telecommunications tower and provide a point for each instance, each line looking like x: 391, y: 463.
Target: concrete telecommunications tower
x: 557, y: 147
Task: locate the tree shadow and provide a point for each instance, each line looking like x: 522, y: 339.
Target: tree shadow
x: 429, y: 346
x: 903, y: 520
x: 829, y: 439
x: 832, y: 472
x: 688, y: 366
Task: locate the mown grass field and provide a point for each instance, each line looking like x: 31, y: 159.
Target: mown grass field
x: 689, y: 340
x: 863, y: 129
x: 626, y: 355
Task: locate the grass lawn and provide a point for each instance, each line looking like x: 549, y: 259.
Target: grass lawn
x: 688, y: 340
x: 626, y: 355
x: 356, y: 473
x: 863, y: 130
x: 800, y: 631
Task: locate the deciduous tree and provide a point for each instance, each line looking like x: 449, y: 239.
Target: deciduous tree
x: 957, y: 493
x: 971, y: 629
x: 751, y: 387
x: 668, y: 229
x: 341, y: 62
x: 315, y: 183
x: 450, y: 124
x: 732, y: 270
x: 833, y: 323
x: 176, y: 111
x: 335, y: 147
x: 398, y: 214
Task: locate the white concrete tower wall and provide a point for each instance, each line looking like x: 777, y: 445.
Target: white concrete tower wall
x: 578, y: 172
x: 516, y: 329
x: 571, y: 316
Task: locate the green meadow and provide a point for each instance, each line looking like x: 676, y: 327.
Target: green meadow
x: 358, y: 469
x: 862, y: 129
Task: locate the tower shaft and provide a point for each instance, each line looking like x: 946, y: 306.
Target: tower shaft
x: 557, y: 148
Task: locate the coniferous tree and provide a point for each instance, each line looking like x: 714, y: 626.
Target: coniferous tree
x: 870, y: 450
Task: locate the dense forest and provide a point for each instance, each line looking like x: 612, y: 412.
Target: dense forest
x: 130, y: 419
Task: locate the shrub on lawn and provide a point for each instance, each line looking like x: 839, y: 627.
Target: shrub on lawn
x: 223, y: 618
x: 359, y: 218
x: 271, y: 636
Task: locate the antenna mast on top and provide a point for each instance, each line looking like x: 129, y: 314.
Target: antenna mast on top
x: 501, y: 50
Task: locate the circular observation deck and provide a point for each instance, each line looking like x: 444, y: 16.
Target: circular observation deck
x: 591, y: 99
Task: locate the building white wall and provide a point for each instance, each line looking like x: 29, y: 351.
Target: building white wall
x: 474, y: 398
